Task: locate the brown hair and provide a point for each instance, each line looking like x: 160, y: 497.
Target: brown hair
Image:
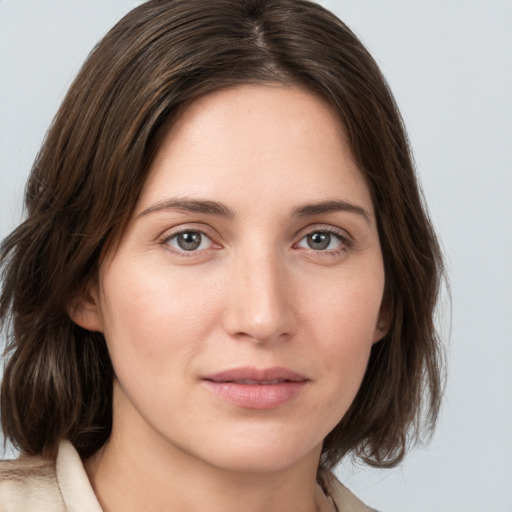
x: 88, y: 175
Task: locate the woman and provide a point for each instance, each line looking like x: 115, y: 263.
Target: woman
x: 226, y: 279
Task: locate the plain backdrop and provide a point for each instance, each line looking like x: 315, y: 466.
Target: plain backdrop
x: 449, y: 64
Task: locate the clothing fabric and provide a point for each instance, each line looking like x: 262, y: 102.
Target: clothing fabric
x: 34, y: 484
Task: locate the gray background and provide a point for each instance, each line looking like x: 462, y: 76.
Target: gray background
x: 450, y: 65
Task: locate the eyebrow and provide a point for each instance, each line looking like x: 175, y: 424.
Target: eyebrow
x: 331, y: 206
x: 190, y: 205
x: 219, y: 209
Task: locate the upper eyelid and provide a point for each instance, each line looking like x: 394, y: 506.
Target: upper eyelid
x: 181, y: 231
x: 184, y: 228
x: 328, y: 228
x: 215, y: 237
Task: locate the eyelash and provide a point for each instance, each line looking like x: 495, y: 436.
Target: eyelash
x: 345, y: 240
x: 166, y: 240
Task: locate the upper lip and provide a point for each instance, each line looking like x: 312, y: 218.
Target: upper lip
x: 251, y: 375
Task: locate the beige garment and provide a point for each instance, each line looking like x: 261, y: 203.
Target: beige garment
x: 31, y: 484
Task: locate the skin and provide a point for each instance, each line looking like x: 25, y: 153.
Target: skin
x: 256, y: 292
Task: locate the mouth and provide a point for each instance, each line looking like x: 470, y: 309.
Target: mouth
x: 250, y: 375
x: 257, y: 382
x: 252, y: 388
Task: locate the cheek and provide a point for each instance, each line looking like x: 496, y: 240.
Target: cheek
x: 345, y: 307
x: 153, y: 317
x: 342, y: 317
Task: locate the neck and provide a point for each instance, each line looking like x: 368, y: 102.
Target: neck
x: 130, y: 474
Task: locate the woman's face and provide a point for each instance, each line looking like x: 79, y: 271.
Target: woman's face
x: 243, y: 300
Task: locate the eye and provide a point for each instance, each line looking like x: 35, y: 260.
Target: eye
x: 189, y: 241
x: 322, y: 241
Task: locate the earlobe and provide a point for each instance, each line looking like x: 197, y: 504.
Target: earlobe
x: 381, y: 329
x: 85, y: 310
x: 383, y: 323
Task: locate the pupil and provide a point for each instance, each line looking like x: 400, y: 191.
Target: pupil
x: 189, y: 241
x: 319, y: 241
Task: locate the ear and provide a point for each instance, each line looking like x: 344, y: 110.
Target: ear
x: 383, y: 322
x: 85, y: 310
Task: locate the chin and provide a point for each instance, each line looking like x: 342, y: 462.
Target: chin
x: 261, y: 457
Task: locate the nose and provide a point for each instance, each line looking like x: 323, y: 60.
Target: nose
x: 260, y: 305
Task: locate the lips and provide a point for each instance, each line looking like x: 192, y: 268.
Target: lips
x: 253, y: 388
x: 260, y: 382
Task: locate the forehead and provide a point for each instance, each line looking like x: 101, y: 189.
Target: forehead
x: 261, y: 139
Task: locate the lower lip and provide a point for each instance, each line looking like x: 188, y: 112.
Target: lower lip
x: 257, y: 396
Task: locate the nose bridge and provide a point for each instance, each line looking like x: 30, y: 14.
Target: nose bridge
x: 259, y: 305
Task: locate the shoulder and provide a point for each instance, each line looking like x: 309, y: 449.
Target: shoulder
x: 29, y: 483
x: 342, y: 497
